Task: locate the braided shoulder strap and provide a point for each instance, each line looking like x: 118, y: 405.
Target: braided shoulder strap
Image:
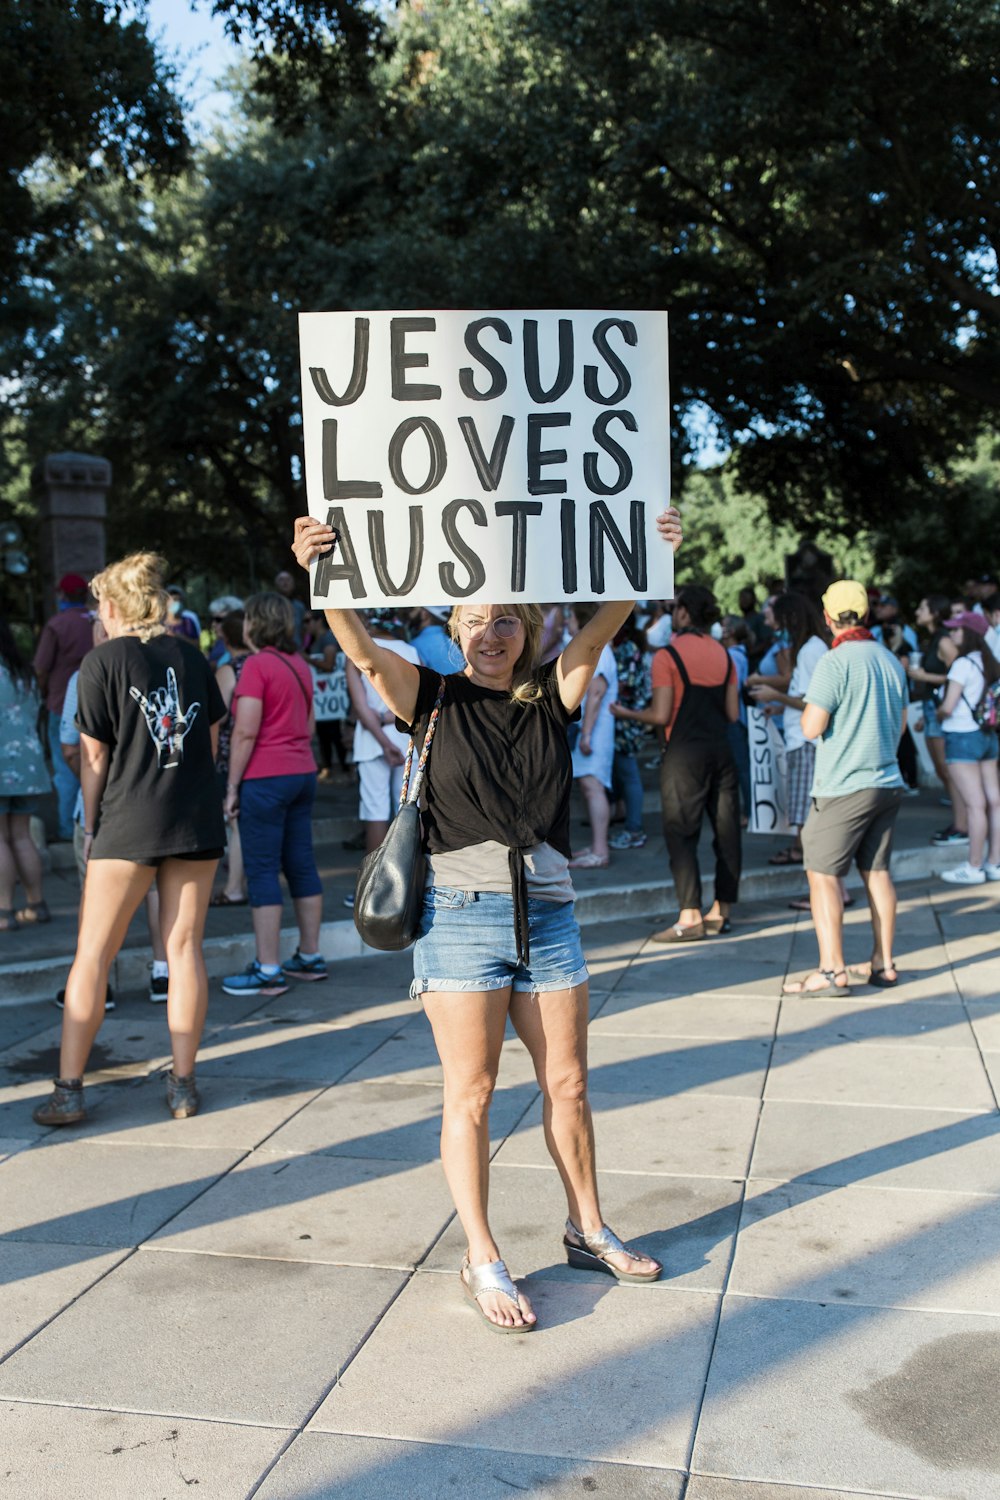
x: 404, y: 796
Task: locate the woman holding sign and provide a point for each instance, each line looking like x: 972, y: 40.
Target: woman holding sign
x: 498, y: 936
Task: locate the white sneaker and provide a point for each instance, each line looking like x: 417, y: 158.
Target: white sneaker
x: 992, y: 872
x: 964, y: 874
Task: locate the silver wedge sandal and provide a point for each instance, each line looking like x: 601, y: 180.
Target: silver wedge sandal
x: 589, y: 1252
x: 492, y: 1277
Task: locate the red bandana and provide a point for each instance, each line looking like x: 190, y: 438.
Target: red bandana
x: 858, y: 633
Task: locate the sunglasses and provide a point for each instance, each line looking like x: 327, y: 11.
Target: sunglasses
x: 504, y: 626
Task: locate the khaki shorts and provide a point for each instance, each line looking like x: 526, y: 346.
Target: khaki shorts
x: 858, y: 827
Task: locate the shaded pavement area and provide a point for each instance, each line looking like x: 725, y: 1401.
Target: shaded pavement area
x: 263, y: 1300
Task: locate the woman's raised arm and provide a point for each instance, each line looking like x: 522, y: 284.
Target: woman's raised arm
x: 396, y: 681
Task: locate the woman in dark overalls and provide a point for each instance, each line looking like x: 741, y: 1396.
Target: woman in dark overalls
x: 694, y: 701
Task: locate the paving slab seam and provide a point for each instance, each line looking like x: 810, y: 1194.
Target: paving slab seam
x: 147, y: 1247
x: 326, y: 1391
x: 930, y: 1109
x: 802, y: 1180
x: 127, y: 1254
x: 469, y: 1447
x: 731, y: 1261
x: 544, y: 1166
x: 965, y: 1007
x: 803, y: 1485
x: 275, y: 1461
x: 149, y: 1411
x: 859, y: 1302
x: 133, y: 1411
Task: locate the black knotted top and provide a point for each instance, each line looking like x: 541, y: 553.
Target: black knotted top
x: 497, y: 769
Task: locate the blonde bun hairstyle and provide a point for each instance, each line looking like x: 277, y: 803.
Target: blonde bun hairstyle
x: 524, y: 688
x: 135, y: 587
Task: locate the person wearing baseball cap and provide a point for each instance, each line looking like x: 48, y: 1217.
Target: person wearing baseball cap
x: 429, y: 634
x: 855, y: 712
x: 62, y: 645
x: 970, y: 746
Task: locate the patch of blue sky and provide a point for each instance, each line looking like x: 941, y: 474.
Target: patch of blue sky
x: 195, y: 42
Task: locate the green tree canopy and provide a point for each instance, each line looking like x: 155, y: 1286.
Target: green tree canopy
x: 810, y: 191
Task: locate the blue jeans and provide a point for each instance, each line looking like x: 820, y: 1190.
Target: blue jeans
x: 276, y: 835
x: 628, y: 779
x: 66, y: 785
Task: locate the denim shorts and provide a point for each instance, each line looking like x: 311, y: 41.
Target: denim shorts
x: 970, y: 745
x: 932, y: 724
x: 19, y: 805
x: 467, y: 942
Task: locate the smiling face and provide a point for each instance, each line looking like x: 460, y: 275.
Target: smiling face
x: 492, y: 638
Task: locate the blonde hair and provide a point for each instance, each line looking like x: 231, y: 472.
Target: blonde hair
x: 135, y: 587
x: 525, y: 688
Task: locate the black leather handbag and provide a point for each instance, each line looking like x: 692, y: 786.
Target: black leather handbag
x: 389, y: 896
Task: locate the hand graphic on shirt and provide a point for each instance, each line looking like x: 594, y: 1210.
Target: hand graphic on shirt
x: 167, y: 723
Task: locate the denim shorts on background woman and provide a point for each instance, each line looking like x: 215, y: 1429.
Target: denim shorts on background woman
x: 970, y: 745
x: 467, y: 942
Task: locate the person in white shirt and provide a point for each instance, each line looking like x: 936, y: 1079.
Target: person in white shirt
x: 594, y: 752
x: 971, y: 749
x: 991, y: 609
x: 799, y: 617
x: 379, y: 747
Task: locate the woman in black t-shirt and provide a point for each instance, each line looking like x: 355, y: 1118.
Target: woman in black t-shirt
x: 149, y: 711
x: 498, y: 936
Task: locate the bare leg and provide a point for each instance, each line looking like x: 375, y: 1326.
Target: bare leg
x: 935, y: 749
x: 309, y: 916
x: 375, y: 832
x: 235, y: 886
x: 959, y: 811
x: 112, y: 893
x: 8, y: 869
x: 185, y: 890
x: 267, y: 933
x: 966, y: 777
x: 599, y: 813
x: 26, y: 856
x: 882, y: 902
x: 468, y: 1032
x: 153, y: 923
x: 991, y: 790
x: 828, y: 919
x: 553, y: 1027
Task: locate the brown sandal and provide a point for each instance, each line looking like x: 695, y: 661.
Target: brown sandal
x: 35, y: 914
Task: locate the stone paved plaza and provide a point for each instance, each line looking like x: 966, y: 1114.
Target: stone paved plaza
x: 263, y: 1300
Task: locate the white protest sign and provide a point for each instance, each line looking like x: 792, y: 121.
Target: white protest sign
x: 331, y: 700
x: 500, y: 457
x: 768, y: 774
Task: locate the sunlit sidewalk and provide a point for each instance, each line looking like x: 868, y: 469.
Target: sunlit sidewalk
x: 263, y: 1300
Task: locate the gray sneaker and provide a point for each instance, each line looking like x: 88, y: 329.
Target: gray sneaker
x: 182, y: 1096
x: 65, y: 1107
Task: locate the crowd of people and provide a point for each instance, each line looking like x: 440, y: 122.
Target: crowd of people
x: 174, y: 751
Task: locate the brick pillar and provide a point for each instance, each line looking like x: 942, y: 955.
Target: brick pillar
x: 71, y: 494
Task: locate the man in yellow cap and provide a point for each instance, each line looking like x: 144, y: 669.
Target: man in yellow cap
x: 856, y: 711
